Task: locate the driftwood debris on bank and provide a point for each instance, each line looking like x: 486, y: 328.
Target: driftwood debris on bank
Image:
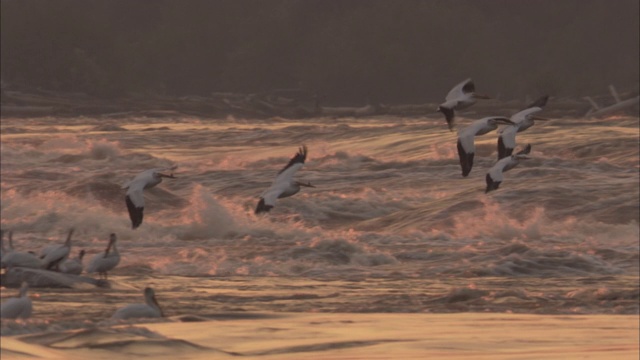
x: 297, y: 105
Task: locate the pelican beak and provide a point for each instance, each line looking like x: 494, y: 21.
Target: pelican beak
x: 308, y: 184
x: 505, y: 122
x: 167, y: 176
x: 482, y: 96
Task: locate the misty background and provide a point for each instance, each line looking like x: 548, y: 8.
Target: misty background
x: 346, y: 51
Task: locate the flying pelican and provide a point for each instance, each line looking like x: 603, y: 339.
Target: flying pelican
x: 73, y: 266
x: 19, y: 307
x: 57, y: 254
x: 105, y: 261
x: 284, y: 185
x: 522, y: 120
x: 466, y: 144
x: 494, y: 176
x: 134, y: 199
x: 18, y: 258
x: 151, y: 308
x: 460, y: 97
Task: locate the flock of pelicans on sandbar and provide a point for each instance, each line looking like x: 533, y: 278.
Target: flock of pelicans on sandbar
x: 55, y: 258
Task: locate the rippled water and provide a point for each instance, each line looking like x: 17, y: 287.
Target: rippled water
x: 390, y: 227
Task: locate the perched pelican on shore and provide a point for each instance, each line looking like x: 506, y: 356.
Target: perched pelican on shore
x: 15, y: 258
x: 105, y: 261
x: 466, y: 143
x: 73, y: 266
x: 495, y: 174
x: 57, y: 254
x: 19, y: 307
x: 150, y: 309
x: 522, y: 120
x: 284, y: 185
x: 460, y: 97
x: 135, y: 199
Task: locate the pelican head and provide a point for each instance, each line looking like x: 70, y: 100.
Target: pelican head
x: 150, y: 298
x: 112, y: 243
x: 307, y: 184
x: 68, y: 241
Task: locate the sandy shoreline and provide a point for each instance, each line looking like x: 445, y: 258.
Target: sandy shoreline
x: 347, y: 336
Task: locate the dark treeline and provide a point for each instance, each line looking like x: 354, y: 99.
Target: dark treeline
x: 344, y: 50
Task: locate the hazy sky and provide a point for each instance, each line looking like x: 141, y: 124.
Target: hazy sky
x: 351, y: 50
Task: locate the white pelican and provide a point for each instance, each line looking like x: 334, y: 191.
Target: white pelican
x: 522, y: 120
x: 460, y: 97
x: 135, y: 199
x: 73, y: 266
x: 466, y: 144
x: 495, y: 174
x: 57, y: 254
x: 19, y: 307
x: 15, y: 258
x: 284, y: 185
x: 105, y: 261
x: 151, y: 308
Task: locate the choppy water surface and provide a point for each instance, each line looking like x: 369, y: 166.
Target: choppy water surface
x: 390, y: 227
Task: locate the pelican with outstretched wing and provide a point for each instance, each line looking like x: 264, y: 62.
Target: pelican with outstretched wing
x: 495, y: 175
x: 522, y: 121
x: 460, y: 97
x: 135, y: 198
x: 466, y: 136
x: 284, y: 185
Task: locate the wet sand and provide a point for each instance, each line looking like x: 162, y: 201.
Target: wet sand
x: 345, y: 336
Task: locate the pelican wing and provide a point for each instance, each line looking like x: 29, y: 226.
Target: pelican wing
x: 461, y: 89
x: 494, y: 176
x: 467, y: 142
x: 269, y: 197
x: 296, y: 162
x: 497, y: 169
x: 521, y: 117
x: 146, y: 176
x: 466, y: 153
x: 525, y: 151
x: 135, y: 202
x: 507, y: 141
x: 285, y: 176
x: 540, y: 102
